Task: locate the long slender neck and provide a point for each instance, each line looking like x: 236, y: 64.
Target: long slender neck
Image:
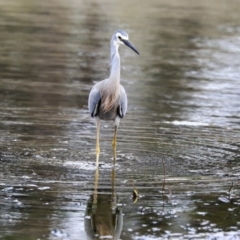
x: 115, y: 63
x: 110, y: 95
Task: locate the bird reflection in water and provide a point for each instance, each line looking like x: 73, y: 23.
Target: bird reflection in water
x: 107, y: 101
x: 103, y: 218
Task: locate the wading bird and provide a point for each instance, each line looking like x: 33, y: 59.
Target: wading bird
x: 108, y: 99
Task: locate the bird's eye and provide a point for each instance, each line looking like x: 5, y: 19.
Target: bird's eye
x: 119, y: 38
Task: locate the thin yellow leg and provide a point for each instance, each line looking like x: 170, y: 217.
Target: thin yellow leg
x: 114, y: 144
x: 95, y: 192
x: 97, y: 142
x: 113, y: 200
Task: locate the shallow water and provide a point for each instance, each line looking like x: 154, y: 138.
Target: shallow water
x: 178, y: 144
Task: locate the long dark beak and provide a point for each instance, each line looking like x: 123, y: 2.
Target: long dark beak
x: 127, y: 43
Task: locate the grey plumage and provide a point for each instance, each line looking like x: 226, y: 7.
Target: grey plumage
x: 108, y: 99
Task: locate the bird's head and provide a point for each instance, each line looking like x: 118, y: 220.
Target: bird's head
x: 121, y: 37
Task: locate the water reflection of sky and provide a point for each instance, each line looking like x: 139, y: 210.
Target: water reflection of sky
x: 217, y: 81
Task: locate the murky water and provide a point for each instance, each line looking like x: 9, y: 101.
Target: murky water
x: 178, y: 145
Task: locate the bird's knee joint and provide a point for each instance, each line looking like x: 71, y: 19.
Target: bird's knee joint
x: 98, y: 150
x: 114, y: 144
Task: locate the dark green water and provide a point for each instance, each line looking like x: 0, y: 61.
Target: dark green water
x: 178, y: 144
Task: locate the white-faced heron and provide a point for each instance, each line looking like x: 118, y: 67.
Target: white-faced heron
x: 108, y: 99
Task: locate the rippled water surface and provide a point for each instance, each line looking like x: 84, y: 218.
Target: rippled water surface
x: 178, y: 145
